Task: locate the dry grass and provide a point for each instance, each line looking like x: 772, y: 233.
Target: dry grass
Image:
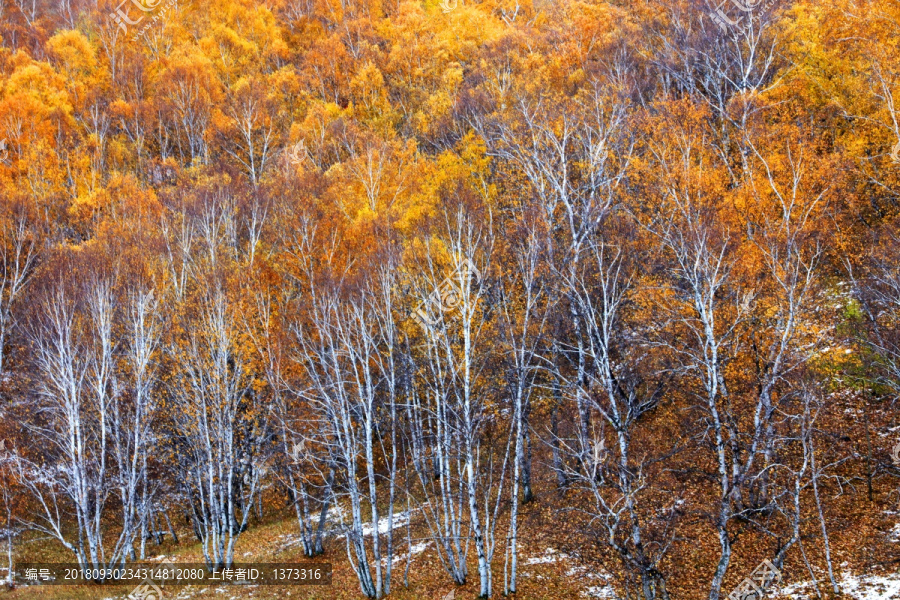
x: 265, y: 543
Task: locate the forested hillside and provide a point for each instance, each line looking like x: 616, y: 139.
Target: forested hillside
x: 443, y: 293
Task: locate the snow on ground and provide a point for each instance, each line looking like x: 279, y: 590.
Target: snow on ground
x: 400, y: 520
x: 858, y: 587
x: 596, y: 591
x: 335, y: 516
x: 162, y: 558
x: 186, y: 593
x: 416, y: 549
x: 551, y: 556
x: 288, y: 540
x: 895, y: 533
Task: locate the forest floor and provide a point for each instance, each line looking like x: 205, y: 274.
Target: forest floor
x: 548, y: 569
x: 545, y: 573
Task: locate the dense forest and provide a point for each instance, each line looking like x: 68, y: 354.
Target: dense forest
x: 450, y: 290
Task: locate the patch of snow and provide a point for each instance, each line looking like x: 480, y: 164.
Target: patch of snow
x: 895, y: 533
x: 335, y: 514
x: 400, y: 520
x: 549, y: 557
x: 162, y: 558
x: 289, y: 540
x: 541, y: 560
x: 858, y: 587
x: 415, y: 549
x: 553, y: 556
x: 596, y: 591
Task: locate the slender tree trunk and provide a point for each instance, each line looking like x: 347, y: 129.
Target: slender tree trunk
x: 475, y: 524
x: 724, y: 558
x: 169, y: 525
x: 527, y: 492
x: 558, y: 467
x: 815, y: 483
x: 510, y: 586
x: 323, y: 514
x: 9, y: 537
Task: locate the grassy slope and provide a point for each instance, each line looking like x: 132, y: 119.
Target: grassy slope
x: 265, y: 543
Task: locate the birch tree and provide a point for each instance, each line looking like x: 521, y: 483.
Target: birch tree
x: 574, y: 154
x: 523, y: 315
x: 301, y: 469
x: 462, y: 489
x: 18, y: 255
x: 222, y: 432
x: 623, y: 383
x: 348, y: 353
x: 724, y: 321
x: 79, y: 419
x: 132, y: 422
